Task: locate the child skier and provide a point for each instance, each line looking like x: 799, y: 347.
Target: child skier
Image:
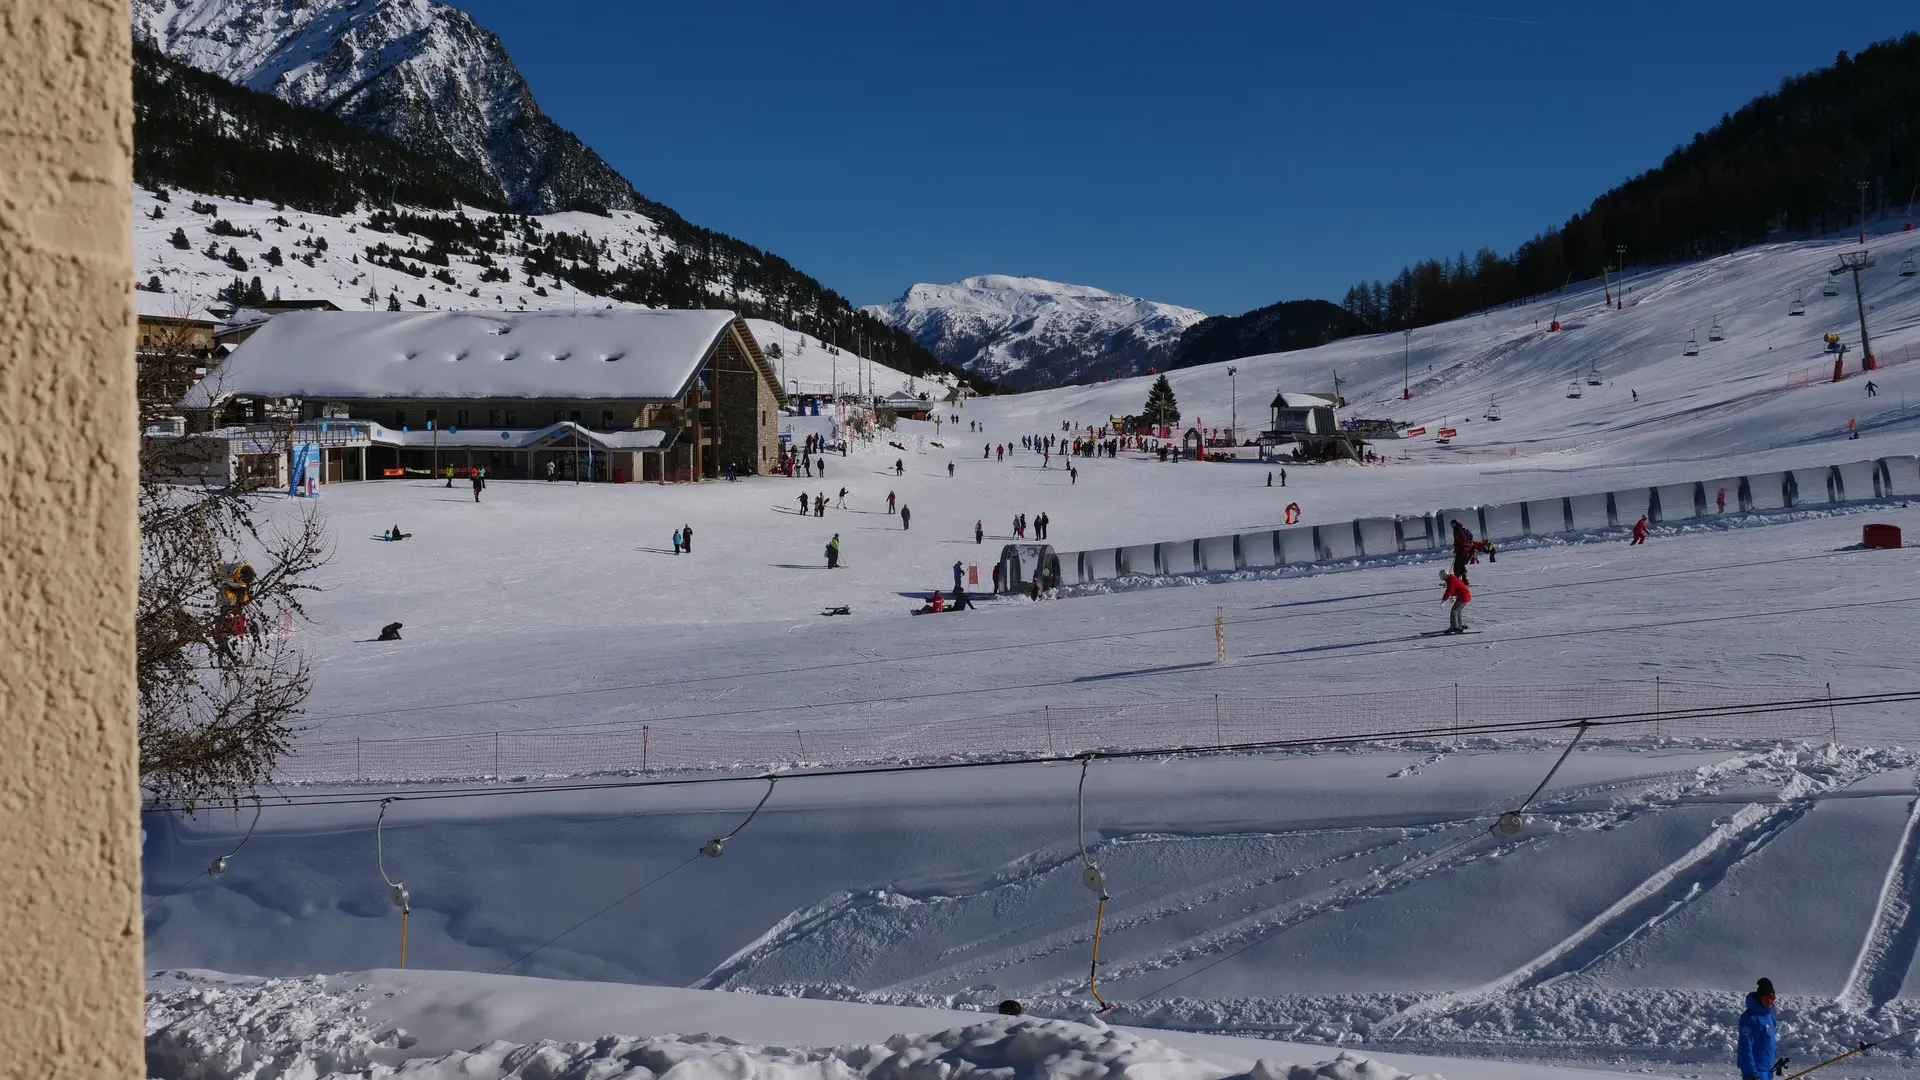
x: 1461, y: 596
x: 1639, y: 531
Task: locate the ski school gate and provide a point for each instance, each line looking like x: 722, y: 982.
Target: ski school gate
x: 1567, y: 515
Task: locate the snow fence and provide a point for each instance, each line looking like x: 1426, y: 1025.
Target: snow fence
x: 1821, y: 485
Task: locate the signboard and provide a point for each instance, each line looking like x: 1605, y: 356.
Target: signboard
x: 1447, y: 433
x: 1411, y: 432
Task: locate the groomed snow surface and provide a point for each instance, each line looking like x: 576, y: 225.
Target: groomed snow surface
x: 1353, y: 899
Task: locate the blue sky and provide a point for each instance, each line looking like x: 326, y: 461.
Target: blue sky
x: 1217, y: 155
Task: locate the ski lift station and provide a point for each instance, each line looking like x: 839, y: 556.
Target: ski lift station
x: 1309, y: 421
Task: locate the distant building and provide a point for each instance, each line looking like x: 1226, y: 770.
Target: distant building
x: 174, y: 347
x: 1309, y: 422
x: 616, y: 394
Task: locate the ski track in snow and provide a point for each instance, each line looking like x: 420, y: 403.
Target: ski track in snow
x: 1887, y: 952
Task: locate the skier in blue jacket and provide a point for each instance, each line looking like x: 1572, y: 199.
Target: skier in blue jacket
x: 1755, y: 1052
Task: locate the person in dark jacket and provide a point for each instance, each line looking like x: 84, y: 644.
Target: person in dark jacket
x: 979, y: 531
x: 1462, y: 548
x: 959, y: 573
x: 906, y: 518
x: 833, y: 552
x: 1754, y: 1051
x: 479, y: 483
x: 686, y: 539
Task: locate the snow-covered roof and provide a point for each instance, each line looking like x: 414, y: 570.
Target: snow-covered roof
x: 1290, y: 399
x: 632, y: 354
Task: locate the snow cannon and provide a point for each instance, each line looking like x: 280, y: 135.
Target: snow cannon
x: 235, y: 582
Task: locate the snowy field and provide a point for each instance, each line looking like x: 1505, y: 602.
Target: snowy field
x: 1351, y: 899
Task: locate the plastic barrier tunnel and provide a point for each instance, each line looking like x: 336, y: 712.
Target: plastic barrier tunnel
x: 1020, y: 562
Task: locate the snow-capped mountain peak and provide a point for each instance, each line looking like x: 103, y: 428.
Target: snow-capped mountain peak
x: 418, y: 71
x: 1027, y: 332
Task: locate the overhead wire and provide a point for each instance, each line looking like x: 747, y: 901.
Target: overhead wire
x: 1629, y: 718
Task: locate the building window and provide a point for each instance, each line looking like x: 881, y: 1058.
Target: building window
x: 574, y: 416
x: 559, y: 415
x: 399, y: 418
x: 460, y: 417
x: 606, y: 418
x: 513, y: 418
x: 493, y: 418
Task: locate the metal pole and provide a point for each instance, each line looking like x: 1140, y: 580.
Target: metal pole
x: 1860, y: 304
x: 1406, y: 364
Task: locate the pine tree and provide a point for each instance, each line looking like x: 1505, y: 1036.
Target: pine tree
x: 393, y: 302
x: 255, y: 295
x: 179, y: 239
x: 1161, y: 409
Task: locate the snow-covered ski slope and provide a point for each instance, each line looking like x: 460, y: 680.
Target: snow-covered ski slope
x: 1729, y: 399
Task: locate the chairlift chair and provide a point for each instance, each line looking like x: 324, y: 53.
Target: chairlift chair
x: 1593, y: 376
x: 1831, y: 288
x: 1799, y: 306
x: 1573, y: 389
x: 1493, y: 408
x: 1716, y: 332
x: 1693, y: 344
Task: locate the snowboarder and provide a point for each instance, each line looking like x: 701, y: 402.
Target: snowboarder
x: 820, y: 505
x: 686, y: 538
x: 1639, y: 531
x: 959, y: 573
x: 1754, y: 1051
x: 676, y: 541
x: 889, y: 502
x: 1461, y: 596
x: 479, y: 483
x: 833, y: 552
x: 949, y: 470
x: 390, y: 632
x: 906, y: 517
x: 1720, y: 501
x: 1872, y: 390
x: 979, y: 531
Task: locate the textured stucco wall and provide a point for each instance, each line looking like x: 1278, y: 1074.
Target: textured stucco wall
x: 70, y: 964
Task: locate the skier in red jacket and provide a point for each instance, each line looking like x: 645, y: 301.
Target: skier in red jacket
x: 1639, y: 531
x: 1461, y: 596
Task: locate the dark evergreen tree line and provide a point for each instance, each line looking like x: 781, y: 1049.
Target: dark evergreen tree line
x: 1786, y: 164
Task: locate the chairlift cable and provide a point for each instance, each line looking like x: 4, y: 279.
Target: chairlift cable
x: 636, y: 892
